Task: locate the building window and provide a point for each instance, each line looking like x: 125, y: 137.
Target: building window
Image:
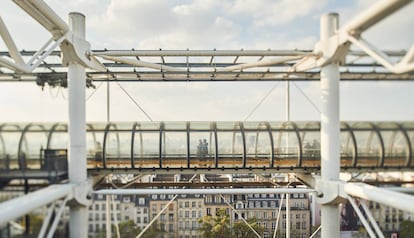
x: 171, y: 227
x: 303, y: 225
x: 194, y: 213
x: 187, y: 204
x: 297, y: 225
x: 187, y: 214
x: 297, y: 216
x: 187, y: 225
x: 193, y: 204
x: 194, y: 225
x: 208, y: 211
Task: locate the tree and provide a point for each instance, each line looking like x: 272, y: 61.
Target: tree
x: 153, y: 232
x: 406, y: 229
x: 242, y: 230
x: 128, y: 229
x: 218, y: 226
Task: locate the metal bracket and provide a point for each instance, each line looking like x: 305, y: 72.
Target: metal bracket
x: 78, y: 50
x: 82, y: 193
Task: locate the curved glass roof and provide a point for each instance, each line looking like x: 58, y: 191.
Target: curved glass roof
x: 210, y: 145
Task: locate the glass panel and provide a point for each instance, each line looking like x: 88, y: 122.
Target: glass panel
x: 411, y: 136
x: 146, y: 149
x: 369, y: 148
x: 286, y: 146
x: 200, y: 125
x: 59, y: 137
x: 396, y: 148
x: 202, y: 149
x: 94, y: 143
x: 311, y: 149
x: 118, y: 149
x: 347, y: 148
x: 34, y: 142
x: 230, y: 148
x: 174, y: 149
x: 3, y: 157
x: 258, y: 149
x: 180, y: 126
x: 11, y: 136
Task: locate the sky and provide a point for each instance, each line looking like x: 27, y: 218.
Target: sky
x: 206, y: 25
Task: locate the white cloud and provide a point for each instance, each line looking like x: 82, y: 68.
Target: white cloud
x: 153, y: 24
x: 271, y: 13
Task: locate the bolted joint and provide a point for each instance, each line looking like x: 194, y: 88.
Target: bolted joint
x: 329, y: 192
x: 77, y: 50
x: 82, y: 194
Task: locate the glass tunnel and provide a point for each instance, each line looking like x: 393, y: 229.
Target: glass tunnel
x: 208, y: 145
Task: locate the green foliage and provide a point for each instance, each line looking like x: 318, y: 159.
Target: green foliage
x: 128, y: 229
x: 36, y: 222
x: 218, y: 226
x: 242, y: 230
x: 406, y: 229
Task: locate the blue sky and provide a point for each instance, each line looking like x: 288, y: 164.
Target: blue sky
x: 208, y: 24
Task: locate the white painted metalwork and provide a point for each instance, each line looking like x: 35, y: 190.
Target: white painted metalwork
x: 384, y: 196
x: 156, y: 217
x: 240, y: 215
x: 278, y: 215
x: 15, y: 208
x: 46, y: 221
x: 57, y: 218
x: 330, y: 130
x: 315, y: 232
x: 361, y: 217
x: 77, y: 132
x: 371, y: 219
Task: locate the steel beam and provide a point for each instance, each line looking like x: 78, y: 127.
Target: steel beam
x: 77, y: 131
x: 330, y: 127
x: 15, y: 208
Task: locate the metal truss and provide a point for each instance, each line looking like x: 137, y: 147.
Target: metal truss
x: 200, y: 65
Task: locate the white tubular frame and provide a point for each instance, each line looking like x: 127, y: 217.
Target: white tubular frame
x: 15, y: 208
x: 384, y: 196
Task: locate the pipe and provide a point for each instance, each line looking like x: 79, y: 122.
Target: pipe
x: 15, y: 208
x: 330, y: 127
x: 384, y: 196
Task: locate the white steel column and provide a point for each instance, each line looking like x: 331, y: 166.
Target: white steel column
x: 78, y: 227
x: 330, y: 130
